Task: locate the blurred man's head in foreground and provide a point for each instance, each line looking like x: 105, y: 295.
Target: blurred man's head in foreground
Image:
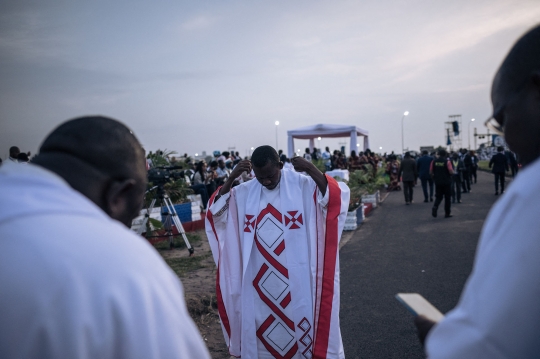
x: 101, y: 158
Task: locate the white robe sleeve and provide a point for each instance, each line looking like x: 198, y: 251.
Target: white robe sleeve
x: 498, y: 315
x: 224, y: 238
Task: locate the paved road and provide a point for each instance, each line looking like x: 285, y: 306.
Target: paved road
x: 403, y: 249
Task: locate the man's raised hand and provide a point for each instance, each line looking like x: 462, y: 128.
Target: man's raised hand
x: 300, y: 164
x: 241, y: 167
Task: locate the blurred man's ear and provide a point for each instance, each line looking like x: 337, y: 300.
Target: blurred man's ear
x: 121, y: 202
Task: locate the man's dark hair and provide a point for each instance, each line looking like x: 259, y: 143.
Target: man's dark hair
x: 424, y: 152
x: 407, y: 155
x: 521, y: 61
x: 102, y: 142
x: 442, y: 153
x: 14, y: 151
x: 213, y: 164
x: 263, y: 155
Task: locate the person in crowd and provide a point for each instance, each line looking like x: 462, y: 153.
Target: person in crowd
x: 307, y: 154
x: 512, y: 162
x: 441, y: 170
x: 266, y: 232
x: 315, y: 154
x: 474, y: 167
x: 23, y: 158
x: 88, y: 287
x: 408, y: 174
x: 423, y: 164
x: 392, y: 169
x: 466, y: 175
x: 371, y: 158
x: 13, y: 153
x: 499, y: 166
x: 326, y: 157
x: 497, y: 315
x: 199, y: 188
x: 222, y: 173
x: 203, y: 177
x: 287, y: 165
x: 341, y: 161
x: 457, y: 178
x: 237, y: 158
x: 1, y: 162
x: 354, y: 162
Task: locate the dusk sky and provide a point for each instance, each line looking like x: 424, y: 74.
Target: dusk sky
x: 203, y: 76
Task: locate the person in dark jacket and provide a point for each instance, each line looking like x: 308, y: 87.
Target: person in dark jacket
x: 474, y: 168
x: 512, y: 162
x: 423, y: 164
x: 500, y: 166
x: 466, y: 172
x: 457, y: 178
x: 442, y: 171
x: 409, y: 174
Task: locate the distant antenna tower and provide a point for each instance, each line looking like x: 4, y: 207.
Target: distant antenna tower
x: 452, y: 132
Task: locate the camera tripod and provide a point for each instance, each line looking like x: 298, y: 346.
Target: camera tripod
x: 170, y: 216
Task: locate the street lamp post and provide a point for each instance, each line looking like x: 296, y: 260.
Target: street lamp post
x: 472, y: 120
x: 402, y: 141
x: 277, y: 124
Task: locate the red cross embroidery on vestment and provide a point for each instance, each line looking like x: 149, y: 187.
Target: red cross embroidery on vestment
x: 249, y: 223
x: 293, y: 218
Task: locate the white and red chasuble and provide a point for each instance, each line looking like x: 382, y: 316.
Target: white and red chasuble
x: 277, y: 279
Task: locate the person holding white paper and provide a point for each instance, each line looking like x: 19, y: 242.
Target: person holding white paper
x: 498, y: 315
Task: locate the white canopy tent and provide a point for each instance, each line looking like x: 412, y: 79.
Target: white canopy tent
x: 324, y: 131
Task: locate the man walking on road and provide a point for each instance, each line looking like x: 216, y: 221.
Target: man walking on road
x: 457, y: 178
x: 500, y: 166
x: 498, y: 314
x: 423, y: 164
x: 408, y: 171
x: 442, y: 171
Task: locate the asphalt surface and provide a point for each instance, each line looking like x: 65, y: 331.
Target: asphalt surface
x: 402, y: 248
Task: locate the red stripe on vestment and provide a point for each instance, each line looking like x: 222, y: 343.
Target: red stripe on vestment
x: 268, y: 302
x: 285, y: 302
x: 329, y: 270
x: 284, y: 272
x: 269, y: 209
x: 221, y: 305
x: 317, y: 297
x: 280, y: 248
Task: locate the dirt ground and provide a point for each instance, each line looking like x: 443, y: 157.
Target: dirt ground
x: 200, y: 291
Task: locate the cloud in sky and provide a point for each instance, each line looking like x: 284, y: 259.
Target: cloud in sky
x: 194, y: 77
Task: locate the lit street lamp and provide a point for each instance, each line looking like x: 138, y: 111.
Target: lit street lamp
x: 472, y: 120
x: 277, y: 124
x: 402, y: 141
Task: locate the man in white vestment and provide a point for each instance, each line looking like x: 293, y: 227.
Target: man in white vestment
x: 275, y: 243
x: 75, y: 282
x: 498, y: 315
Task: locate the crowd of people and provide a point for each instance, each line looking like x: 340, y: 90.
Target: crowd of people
x: 449, y: 174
